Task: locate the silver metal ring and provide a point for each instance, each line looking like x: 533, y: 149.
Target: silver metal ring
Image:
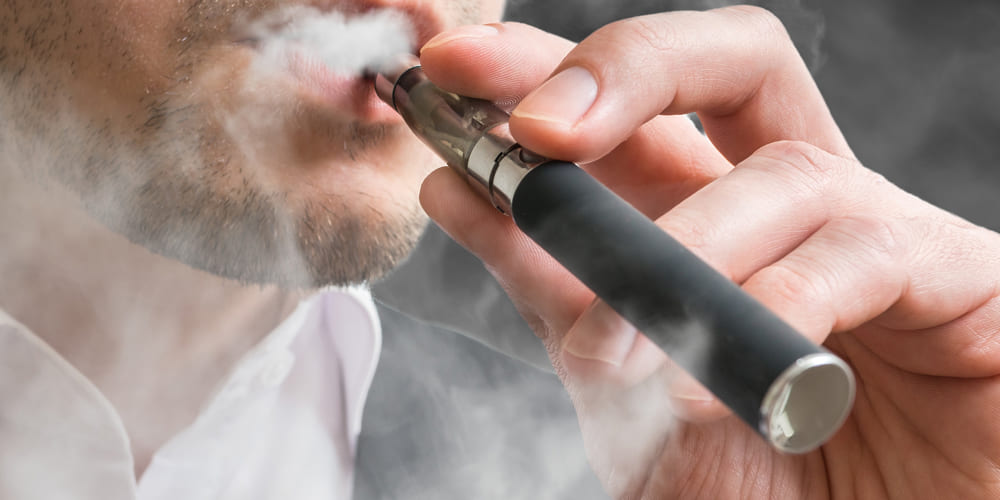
x: 807, y: 403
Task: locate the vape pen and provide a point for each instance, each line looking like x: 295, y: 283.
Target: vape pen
x: 794, y: 393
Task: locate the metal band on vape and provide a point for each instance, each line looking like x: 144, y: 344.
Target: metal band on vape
x: 499, y: 164
x: 484, y: 158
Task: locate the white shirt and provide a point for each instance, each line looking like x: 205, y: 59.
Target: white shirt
x: 283, y: 425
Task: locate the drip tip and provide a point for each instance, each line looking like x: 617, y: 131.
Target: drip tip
x: 389, y: 72
x: 468, y: 133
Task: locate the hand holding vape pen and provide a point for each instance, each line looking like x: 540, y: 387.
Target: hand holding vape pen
x: 794, y: 393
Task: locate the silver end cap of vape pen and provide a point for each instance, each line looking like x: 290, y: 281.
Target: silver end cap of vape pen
x: 808, y: 403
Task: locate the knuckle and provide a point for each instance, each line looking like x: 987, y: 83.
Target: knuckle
x: 760, y: 21
x: 785, y: 283
x: 883, y: 238
x: 798, y: 155
x: 981, y: 344
x: 692, y: 231
x: 642, y: 35
x: 657, y: 36
x: 952, y: 240
x: 843, y: 184
x: 843, y: 181
x: 801, y: 163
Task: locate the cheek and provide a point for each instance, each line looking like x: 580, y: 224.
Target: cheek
x: 121, y: 54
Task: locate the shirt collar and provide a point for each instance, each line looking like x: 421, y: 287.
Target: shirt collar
x: 352, y: 320
x: 346, y: 316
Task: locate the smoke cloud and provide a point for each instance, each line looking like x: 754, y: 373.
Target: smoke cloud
x: 347, y: 46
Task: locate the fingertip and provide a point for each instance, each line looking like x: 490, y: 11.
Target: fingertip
x: 462, y: 60
x: 465, y: 33
x: 698, y: 411
x: 539, y: 135
x: 435, y: 189
x: 450, y: 202
x: 468, y: 217
x: 589, y: 372
x: 557, y: 140
x: 691, y: 401
x: 600, y: 335
x: 490, y: 62
x: 567, y: 118
x: 603, y: 349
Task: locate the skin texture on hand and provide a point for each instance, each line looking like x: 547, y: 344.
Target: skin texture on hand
x: 772, y: 198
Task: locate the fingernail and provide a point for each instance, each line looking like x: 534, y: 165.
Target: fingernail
x: 465, y: 32
x: 601, y: 337
x: 685, y: 387
x: 564, y: 99
x: 694, y: 398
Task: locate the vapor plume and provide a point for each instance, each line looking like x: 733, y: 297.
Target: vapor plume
x: 345, y: 45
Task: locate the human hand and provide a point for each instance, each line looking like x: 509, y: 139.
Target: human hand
x: 905, y: 292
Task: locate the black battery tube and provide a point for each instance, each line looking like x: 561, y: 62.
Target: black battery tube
x: 718, y: 333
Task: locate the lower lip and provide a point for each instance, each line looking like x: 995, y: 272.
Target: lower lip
x: 350, y: 95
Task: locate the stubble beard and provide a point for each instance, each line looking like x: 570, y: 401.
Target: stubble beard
x: 215, y: 214
x: 172, y: 181
x: 181, y: 189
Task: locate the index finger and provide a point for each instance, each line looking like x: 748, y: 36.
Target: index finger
x: 667, y: 159
x: 735, y: 67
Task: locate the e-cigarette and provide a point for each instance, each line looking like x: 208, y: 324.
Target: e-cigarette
x: 794, y: 393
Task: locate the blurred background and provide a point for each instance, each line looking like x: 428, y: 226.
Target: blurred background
x: 912, y: 83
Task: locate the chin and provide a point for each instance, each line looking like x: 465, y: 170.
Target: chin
x: 298, y: 224
x: 258, y: 241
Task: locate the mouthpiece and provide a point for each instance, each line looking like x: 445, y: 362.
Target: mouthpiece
x: 388, y: 73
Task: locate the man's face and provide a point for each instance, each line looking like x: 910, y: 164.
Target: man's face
x: 157, y: 117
